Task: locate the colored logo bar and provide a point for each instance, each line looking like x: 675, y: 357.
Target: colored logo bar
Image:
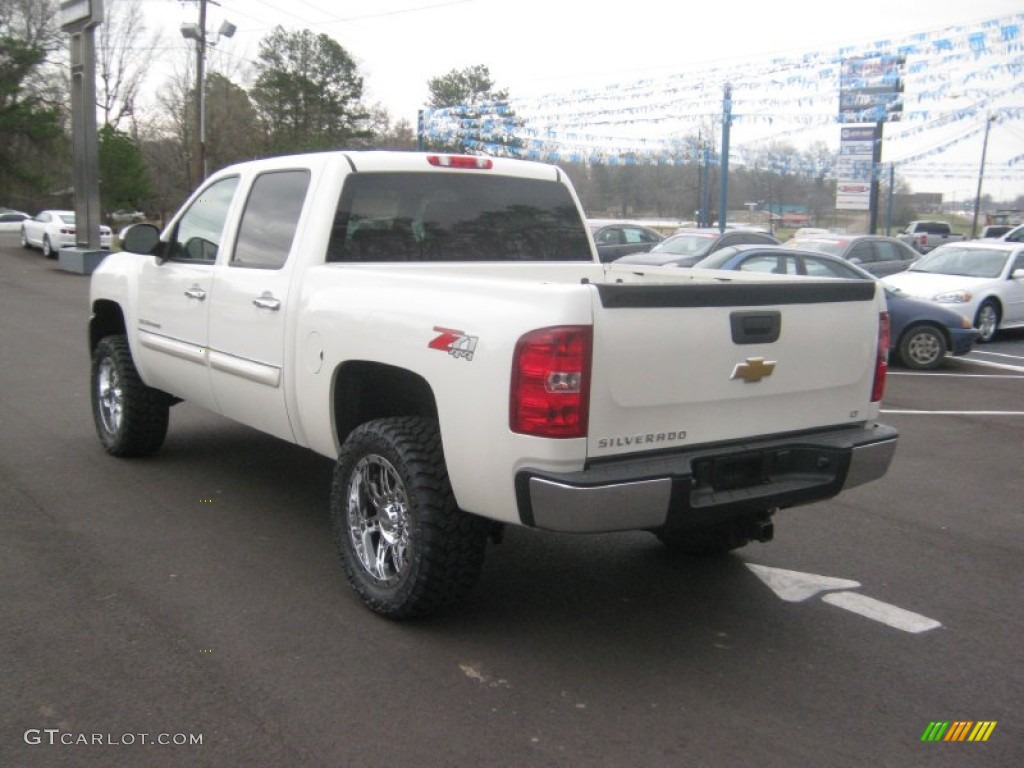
x: 958, y: 730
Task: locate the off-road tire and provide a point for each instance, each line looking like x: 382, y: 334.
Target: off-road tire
x: 131, y: 418
x: 406, y: 548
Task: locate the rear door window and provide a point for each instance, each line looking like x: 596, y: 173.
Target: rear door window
x: 270, y: 219
x: 434, y: 217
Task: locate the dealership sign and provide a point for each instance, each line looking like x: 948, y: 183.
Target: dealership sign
x: 854, y: 169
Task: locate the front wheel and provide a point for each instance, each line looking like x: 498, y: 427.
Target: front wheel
x: 406, y: 548
x: 131, y: 418
x: 987, y: 321
x: 922, y: 348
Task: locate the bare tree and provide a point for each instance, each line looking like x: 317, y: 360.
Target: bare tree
x: 122, y: 56
x: 169, y: 136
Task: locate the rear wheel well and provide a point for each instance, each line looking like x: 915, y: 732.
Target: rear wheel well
x: 107, y: 320
x: 364, y: 391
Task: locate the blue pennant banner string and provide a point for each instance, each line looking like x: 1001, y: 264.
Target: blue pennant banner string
x: 953, y: 78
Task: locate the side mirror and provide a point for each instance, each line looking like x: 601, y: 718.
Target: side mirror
x: 1017, y: 274
x: 855, y: 260
x: 141, y: 238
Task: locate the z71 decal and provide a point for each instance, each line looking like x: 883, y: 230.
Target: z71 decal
x: 455, y: 343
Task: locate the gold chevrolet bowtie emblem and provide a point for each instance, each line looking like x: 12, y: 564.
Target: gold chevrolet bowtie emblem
x: 753, y: 370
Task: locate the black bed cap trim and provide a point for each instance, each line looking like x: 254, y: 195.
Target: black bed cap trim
x: 622, y: 296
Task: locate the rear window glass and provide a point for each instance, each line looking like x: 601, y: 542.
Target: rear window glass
x: 437, y: 217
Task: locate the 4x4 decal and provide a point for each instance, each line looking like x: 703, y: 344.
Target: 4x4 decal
x: 455, y: 343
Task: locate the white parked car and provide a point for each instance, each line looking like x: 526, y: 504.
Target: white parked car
x: 982, y: 280
x: 10, y: 220
x: 53, y: 230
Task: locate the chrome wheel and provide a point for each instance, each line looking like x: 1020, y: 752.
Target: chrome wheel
x: 406, y: 547
x: 378, y: 518
x: 130, y: 418
x: 109, y: 396
x: 987, y: 321
x: 923, y: 348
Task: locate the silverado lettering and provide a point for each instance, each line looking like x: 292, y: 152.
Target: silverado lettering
x: 635, y: 440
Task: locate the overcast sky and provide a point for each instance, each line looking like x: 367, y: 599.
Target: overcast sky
x: 534, y: 48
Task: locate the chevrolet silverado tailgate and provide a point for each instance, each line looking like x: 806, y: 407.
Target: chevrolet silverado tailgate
x: 685, y: 364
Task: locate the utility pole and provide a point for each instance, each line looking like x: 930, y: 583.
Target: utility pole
x: 876, y: 163
x: 981, y: 175
x: 723, y: 191
x: 198, y: 33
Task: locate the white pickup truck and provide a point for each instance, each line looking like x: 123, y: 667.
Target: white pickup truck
x: 442, y: 328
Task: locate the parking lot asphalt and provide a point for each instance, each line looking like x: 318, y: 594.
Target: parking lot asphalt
x: 197, y: 595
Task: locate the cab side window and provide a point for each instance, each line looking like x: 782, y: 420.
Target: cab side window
x: 198, y: 234
x: 863, y: 252
x: 769, y: 263
x: 270, y: 219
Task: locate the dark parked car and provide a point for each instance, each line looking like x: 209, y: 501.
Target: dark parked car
x: 921, y: 332
x: 617, y: 238
x: 878, y: 255
x: 688, y: 246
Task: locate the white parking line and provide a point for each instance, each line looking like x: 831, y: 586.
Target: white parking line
x: 868, y: 607
x: 991, y: 364
x: 995, y: 354
x: 956, y: 375
x: 911, y: 412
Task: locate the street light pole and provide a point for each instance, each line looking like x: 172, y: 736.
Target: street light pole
x: 198, y: 33
x: 201, y: 93
x: 989, y: 119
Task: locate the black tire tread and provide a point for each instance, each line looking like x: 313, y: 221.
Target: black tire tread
x: 146, y: 410
x: 449, y: 544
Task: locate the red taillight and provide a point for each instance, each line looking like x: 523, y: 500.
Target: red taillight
x: 460, y: 161
x: 882, y: 358
x: 67, y: 230
x: 550, y: 393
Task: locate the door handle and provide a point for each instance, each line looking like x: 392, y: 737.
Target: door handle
x: 195, y: 292
x: 267, y: 301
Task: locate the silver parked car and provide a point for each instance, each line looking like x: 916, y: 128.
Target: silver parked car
x: 879, y: 255
x: 688, y: 246
x: 983, y: 280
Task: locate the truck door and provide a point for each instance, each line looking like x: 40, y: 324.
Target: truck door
x: 174, y: 298
x: 250, y: 309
